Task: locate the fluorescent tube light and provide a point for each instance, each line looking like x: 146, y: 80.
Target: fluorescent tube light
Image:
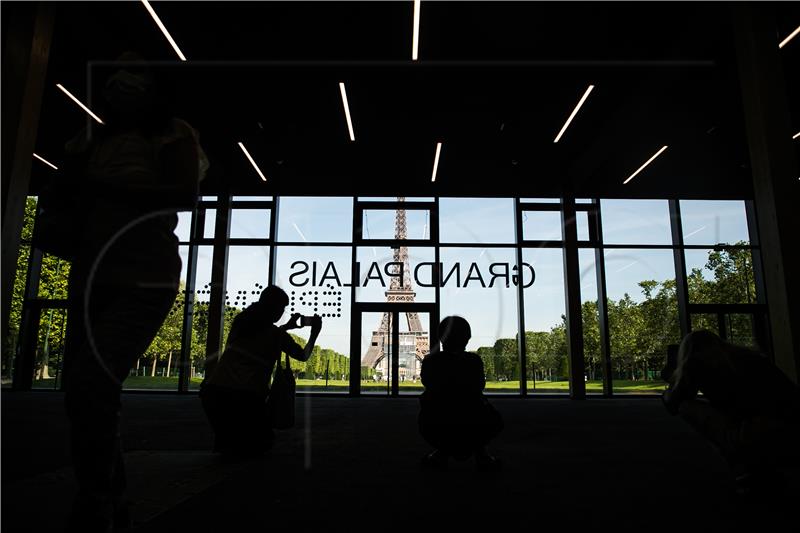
x: 436, y: 161
x: 646, y: 163
x: 45, y: 161
x: 163, y: 29
x: 789, y: 38
x: 415, y: 39
x: 249, y: 158
x: 574, y: 112
x: 347, y: 111
x: 79, y: 103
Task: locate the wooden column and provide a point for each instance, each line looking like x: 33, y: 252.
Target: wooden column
x: 27, y: 50
x: 776, y: 182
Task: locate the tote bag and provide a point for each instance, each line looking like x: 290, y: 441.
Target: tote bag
x: 280, y: 402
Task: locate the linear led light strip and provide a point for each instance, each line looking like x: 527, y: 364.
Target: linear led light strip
x: 79, y: 103
x: 347, y: 111
x: 249, y: 158
x: 436, y: 161
x: 415, y: 39
x: 790, y: 37
x: 163, y: 29
x: 796, y: 135
x: 646, y: 163
x: 574, y: 112
x: 45, y: 161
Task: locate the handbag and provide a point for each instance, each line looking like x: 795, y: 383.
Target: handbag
x: 280, y: 402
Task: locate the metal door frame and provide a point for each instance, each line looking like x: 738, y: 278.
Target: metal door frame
x: 359, y: 308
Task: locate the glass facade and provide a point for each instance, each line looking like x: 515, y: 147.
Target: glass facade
x: 381, y: 272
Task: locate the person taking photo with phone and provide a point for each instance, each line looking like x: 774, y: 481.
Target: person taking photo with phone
x: 237, y: 383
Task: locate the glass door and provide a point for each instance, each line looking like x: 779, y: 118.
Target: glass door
x: 393, y: 340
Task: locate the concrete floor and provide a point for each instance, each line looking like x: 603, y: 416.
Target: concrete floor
x: 352, y: 464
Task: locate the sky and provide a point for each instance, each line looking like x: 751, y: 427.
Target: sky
x: 492, y: 312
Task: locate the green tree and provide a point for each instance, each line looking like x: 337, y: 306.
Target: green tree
x: 167, y: 342
x: 18, y: 295
x: 536, y: 344
x: 506, y: 355
x: 486, y: 353
x: 592, y: 352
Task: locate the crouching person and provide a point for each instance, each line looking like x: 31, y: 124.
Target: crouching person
x: 236, y: 386
x: 749, y: 411
x: 455, y: 417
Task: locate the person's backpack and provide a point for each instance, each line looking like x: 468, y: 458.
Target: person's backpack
x: 280, y: 402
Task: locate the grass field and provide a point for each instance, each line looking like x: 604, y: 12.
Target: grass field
x: 621, y: 386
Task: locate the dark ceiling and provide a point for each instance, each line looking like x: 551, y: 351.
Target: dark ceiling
x: 495, y: 83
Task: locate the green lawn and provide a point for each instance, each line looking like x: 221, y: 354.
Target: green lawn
x: 621, y: 386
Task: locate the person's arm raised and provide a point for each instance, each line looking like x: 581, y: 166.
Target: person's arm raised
x: 294, y: 349
x: 316, y: 326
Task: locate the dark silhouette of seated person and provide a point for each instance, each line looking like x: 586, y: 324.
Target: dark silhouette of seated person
x: 455, y: 417
x: 749, y: 410
x: 237, y: 385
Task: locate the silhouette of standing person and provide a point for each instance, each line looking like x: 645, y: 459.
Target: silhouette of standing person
x: 236, y: 387
x: 455, y: 417
x: 750, y: 411
x: 135, y: 173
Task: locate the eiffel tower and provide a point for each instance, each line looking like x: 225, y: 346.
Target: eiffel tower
x: 399, y: 292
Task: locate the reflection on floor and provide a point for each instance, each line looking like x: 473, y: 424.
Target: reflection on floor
x: 352, y: 464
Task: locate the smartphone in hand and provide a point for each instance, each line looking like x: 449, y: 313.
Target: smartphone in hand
x: 306, y: 320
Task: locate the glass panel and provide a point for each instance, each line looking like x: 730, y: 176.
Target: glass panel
x: 250, y: 223
x: 540, y: 200
x: 18, y: 295
x: 545, y: 327
x: 476, y: 220
x: 720, y: 276
x: 211, y: 219
x: 252, y: 198
x: 414, y: 346
x: 711, y: 222
x: 392, y: 199
x: 636, y: 222
x: 202, y: 295
x: 50, y: 349
x: 739, y: 329
x: 582, y: 223
x: 541, y: 225
x: 157, y: 368
x: 378, y: 352
x: 378, y: 268
x: 381, y: 224
x: 15, y: 315
x: 592, y: 352
x: 479, y: 286
x: 184, y: 228
x: 583, y: 200
x: 315, y: 219
x: 706, y: 321
x: 642, y: 315
x: 54, y: 278
x: 376, y: 334
x: 248, y: 275
x: 317, y: 280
